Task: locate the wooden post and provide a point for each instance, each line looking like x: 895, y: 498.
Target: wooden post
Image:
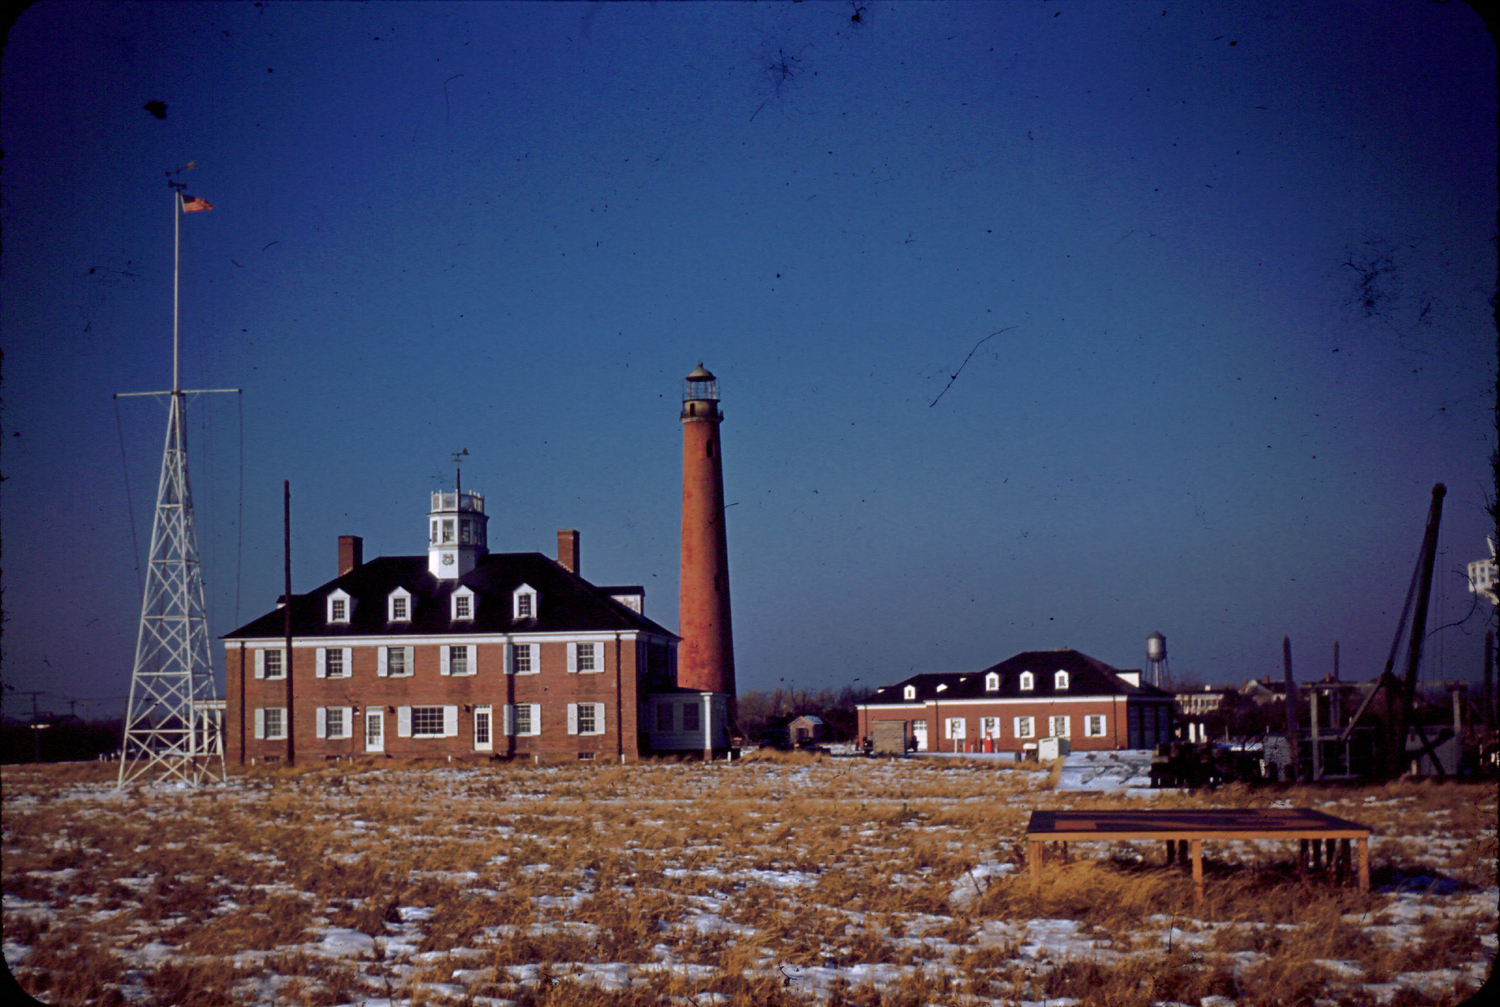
x: 1034, y: 851
x: 1291, y: 708
x: 1197, y: 850
x: 1364, y: 863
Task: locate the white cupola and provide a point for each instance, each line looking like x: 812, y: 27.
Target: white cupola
x: 455, y: 533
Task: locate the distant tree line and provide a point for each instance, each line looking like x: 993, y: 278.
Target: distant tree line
x: 61, y: 739
x: 760, y: 712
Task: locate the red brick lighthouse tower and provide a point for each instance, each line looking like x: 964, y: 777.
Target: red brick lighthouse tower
x: 705, y: 658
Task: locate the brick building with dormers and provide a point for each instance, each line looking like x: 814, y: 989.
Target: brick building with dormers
x: 458, y: 654
x: 1011, y: 706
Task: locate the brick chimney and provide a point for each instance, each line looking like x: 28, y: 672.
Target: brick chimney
x: 351, y: 553
x: 567, y: 550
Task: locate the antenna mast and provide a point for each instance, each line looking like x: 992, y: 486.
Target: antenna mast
x: 174, y: 723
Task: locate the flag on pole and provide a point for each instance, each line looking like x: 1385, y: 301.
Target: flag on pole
x: 191, y: 204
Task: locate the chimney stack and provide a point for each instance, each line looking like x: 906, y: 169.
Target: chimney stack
x: 351, y: 553
x: 567, y: 550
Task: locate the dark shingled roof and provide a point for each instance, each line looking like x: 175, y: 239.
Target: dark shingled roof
x: 566, y: 603
x: 1087, y: 676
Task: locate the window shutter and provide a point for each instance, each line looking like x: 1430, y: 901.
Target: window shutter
x: 598, y: 656
x: 260, y: 667
x: 598, y: 716
x: 411, y: 660
x: 510, y: 720
x: 450, y: 721
x: 536, y: 718
x: 348, y: 721
x: 322, y: 662
x: 572, y: 718
x: 260, y: 723
x: 383, y: 669
x: 509, y: 650
x: 348, y: 662
x: 536, y: 657
x: 403, y: 722
x: 443, y: 660
x: 572, y: 664
x: 322, y: 730
x: 473, y: 658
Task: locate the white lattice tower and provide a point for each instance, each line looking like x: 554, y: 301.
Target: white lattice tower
x: 173, y: 727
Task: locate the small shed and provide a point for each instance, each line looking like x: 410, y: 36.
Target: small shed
x: 807, y: 730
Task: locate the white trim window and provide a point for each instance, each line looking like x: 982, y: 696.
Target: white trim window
x: 523, y: 602
x: 523, y: 658
x: 396, y: 662
x: 989, y: 727
x: 484, y: 728
x: 585, y: 658
x: 1060, y: 726
x: 462, y: 604
x: 335, y: 662
x: 1060, y: 681
x: 270, y: 723
x: 955, y: 728
x: 427, y: 721
x: 1025, y: 727
x: 1028, y: 681
x: 523, y: 720
x: 910, y: 692
x: 335, y: 722
x: 270, y: 662
x: 992, y: 682
x: 1093, y: 725
x: 340, y: 606
x: 586, y: 718
x: 458, y: 659
x: 398, y: 605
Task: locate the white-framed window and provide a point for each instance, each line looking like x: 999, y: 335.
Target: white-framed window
x: 1025, y: 727
x: 463, y: 603
x: 586, y: 718
x: 585, y: 658
x: 374, y: 728
x: 523, y: 602
x: 426, y: 721
x: 992, y: 682
x: 1093, y: 725
x: 458, y: 659
x: 339, y: 606
x: 334, y: 662
x: 335, y: 722
x: 1028, y: 681
x: 910, y: 692
x: 398, y: 605
x: 691, y: 719
x: 396, y: 662
x: 447, y: 530
x: 523, y: 658
x: 269, y: 662
x: 664, y: 719
x: 989, y: 727
x: 523, y: 719
x: 484, y: 738
x: 954, y: 728
x: 270, y: 723
x: 1060, y: 681
x: 1060, y: 726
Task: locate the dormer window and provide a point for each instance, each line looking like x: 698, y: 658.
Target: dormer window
x: 1028, y: 681
x: 943, y: 687
x: 992, y: 682
x: 463, y: 603
x: 910, y: 692
x: 523, y: 602
x: 1060, y: 681
x: 339, y: 606
x: 398, y: 605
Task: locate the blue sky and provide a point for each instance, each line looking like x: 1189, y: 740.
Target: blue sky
x: 513, y: 229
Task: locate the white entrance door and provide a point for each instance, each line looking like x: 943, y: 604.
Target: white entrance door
x: 919, y: 734
x: 374, y: 729
x: 483, y: 740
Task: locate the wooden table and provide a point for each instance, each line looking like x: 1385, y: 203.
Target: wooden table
x: 1185, y: 830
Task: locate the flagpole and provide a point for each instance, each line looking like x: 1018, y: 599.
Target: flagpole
x: 176, y: 270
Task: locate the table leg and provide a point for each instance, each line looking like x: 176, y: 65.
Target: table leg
x: 1171, y: 852
x: 1301, y: 857
x: 1364, y: 863
x: 1197, y: 851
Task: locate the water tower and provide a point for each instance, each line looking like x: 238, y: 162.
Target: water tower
x: 1156, y: 661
